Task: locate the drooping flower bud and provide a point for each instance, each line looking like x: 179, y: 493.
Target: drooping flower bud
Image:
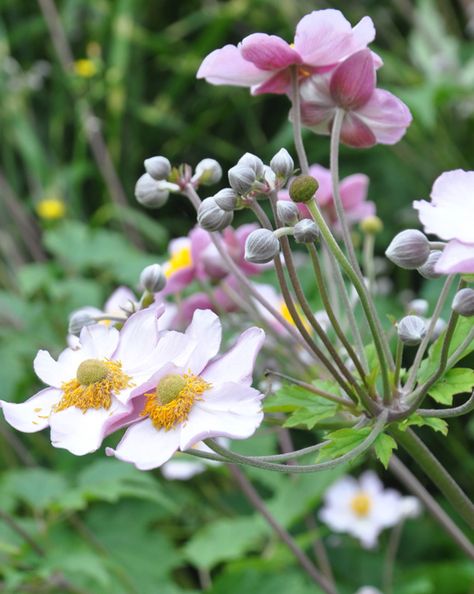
x: 78, y: 320
x: 411, y: 330
x: 261, y: 246
x: 371, y: 225
x: 353, y: 81
x: 254, y: 162
x: 306, y: 231
x: 428, y: 269
x: 287, y: 212
x: 282, y: 164
x: 303, y: 188
x: 152, y: 278
x: 409, y: 249
x: 226, y: 199
x: 463, y: 303
x: 241, y: 178
x: 150, y: 193
x: 211, y: 217
x: 207, y: 172
x: 158, y: 167
x: 418, y: 307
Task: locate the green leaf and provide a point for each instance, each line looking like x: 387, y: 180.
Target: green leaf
x: 383, y: 447
x: 434, y: 423
x: 342, y: 441
x: 37, y: 487
x: 455, y: 381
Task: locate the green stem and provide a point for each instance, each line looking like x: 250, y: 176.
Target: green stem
x: 398, y: 364
x: 448, y: 413
x: 296, y: 118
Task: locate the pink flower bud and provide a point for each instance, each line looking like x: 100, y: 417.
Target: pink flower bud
x: 353, y: 81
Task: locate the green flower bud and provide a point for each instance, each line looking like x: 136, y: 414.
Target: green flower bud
x: 303, y: 188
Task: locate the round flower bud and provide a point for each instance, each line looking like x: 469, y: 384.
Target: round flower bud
x: 428, y: 269
x: 303, y: 188
x: 254, y: 162
x: 418, y: 307
x: 440, y: 327
x: 158, y: 167
x: 282, y: 164
x: 261, y: 246
x: 241, y: 178
x: 411, y: 330
x: 208, y: 172
x: 212, y: 218
x: 463, y: 302
x: 409, y: 249
x: 306, y: 231
x: 226, y: 199
x: 78, y: 320
x: 149, y: 192
x: 287, y: 212
x: 371, y: 225
x: 152, y: 278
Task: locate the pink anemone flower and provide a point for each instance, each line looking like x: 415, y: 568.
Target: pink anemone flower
x: 323, y: 38
x: 195, y: 396
x: 449, y: 216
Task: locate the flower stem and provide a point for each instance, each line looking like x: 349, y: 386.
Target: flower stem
x: 448, y: 413
x: 398, y: 364
x: 296, y: 117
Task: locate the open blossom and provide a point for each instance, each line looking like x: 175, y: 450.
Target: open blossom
x: 449, y: 216
x: 194, y: 396
x: 90, y: 388
x: 323, y: 38
x: 363, y: 508
x: 371, y: 115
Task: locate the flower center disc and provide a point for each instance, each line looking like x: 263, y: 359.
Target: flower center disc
x: 170, y: 404
x: 361, y: 504
x: 94, y: 385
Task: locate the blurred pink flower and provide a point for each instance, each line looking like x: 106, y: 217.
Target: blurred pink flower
x: 323, y: 38
x: 450, y: 216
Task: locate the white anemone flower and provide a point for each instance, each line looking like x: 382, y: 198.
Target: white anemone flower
x: 363, y: 508
x: 196, y: 396
x: 368, y: 590
x: 90, y: 388
x: 182, y: 468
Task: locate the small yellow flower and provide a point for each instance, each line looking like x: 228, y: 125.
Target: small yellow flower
x: 85, y: 68
x: 51, y: 209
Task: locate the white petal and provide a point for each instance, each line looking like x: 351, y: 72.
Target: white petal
x: 370, y: 483
x: 181, y: 470
x: 98, y: 341
x: 55, y: 373
x: 206, y: 332
x: 32, y: 415
x: 341, y: 492
x: 119, y: 298
x: 138, y: 337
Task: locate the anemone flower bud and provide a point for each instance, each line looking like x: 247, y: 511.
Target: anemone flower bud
x: 254, y: 162
x: 440, y: 327
x: 353, y: 81
x: 226, y: 199
x: 158, y: 167
x: 418, y: 307
x: 212, y: 218
x: 241, y: 178
x: 261, y: 246
x: 282, y: 164
x: 303, y: 188
x: 150, y: 193
x: 409, y: 249
x: 411, y: 330
x: 306, y: 231
x: 207, y: 172
x: 152, y: 278
x: 371, y: 225
x: 287, y: 212
x: 428, y: 269
x: 78, y: 320
x: 463, y: 303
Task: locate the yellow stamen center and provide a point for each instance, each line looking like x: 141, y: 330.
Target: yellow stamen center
x: 180, y: 259
x: 170, y: 404
x: 285, y: 312
x: 361, y: 504
x: 94, y: 385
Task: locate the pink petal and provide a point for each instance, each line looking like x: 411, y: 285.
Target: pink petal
x: 353, y: 190
x: 98, y: 341
x: 138, y: 338
x: 268, y: 52
x: 33, y: 414
x: 278, y: 84
x: 226, y: 66
x: 205, y: 331
x: 386, y: 116
x: 145, y: 446
x: 120, y: 297
x: 324, y: 192
x: 457, y: 258
x: 238, y: 363
x: 353, y: 81
x: 356, y: 133
x: 454, y: 186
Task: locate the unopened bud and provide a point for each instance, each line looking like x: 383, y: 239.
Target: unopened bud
x: 261, y: 246
x: 287, y: 212
x: 439, y: 328
x: 152, y: 278
x: 149, y: 192
x: 78, y: 320
x: 306, y: 231
x: 463, y: 302
x: 371, y: 225
x: 282, y: 164
x: 158, y: 167
x: 411, y: 330
x: 211, y: 217
x: 226, y: 199
x: 208, y: 172
x: 409, y: 249
x: 418, y: 307
x: 254, y: 162
x: 241, y: 178
x: 428, y: 269
x: 303, y: 188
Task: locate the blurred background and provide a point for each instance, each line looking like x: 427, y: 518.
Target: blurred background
x: 88, y: 90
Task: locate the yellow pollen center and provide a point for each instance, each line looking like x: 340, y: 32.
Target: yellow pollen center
x: 285, y: 312
x: 361, y: 504
x: 179, y: 260
x: 170, y: 404
x: 95, y: 383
